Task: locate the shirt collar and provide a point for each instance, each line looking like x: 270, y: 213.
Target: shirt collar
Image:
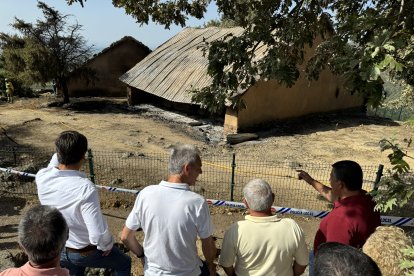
x: 64, y: 173
x: 262, y: 219
x: 350, y: 199
x: 179, y: 186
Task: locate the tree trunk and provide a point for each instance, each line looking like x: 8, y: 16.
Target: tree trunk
x: 65, y: 91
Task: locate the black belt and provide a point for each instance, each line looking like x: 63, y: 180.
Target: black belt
x: 81, y: 250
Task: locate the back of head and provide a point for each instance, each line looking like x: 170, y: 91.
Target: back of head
x: 349, y: 172
x: 258, y: 195
x: 43, y: 233
x: 384, y: 247
x: 336, y: 259
x: 71, y: 147
x: 181, y: 155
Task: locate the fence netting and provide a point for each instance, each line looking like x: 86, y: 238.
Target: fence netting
x: 223, y: 178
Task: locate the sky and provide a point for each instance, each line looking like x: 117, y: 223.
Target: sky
x: 102, y: 23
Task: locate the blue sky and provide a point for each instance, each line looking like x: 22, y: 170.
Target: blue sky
x: 102, y: 22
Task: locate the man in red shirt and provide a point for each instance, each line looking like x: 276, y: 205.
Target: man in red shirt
x: 352, y: 218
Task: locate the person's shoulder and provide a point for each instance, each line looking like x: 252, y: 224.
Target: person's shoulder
x: 289, y: 222
x: 13, y: 271
x: 44, y: 171
x: 194, y: 197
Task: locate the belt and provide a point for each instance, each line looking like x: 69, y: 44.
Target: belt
x: 81, y: 250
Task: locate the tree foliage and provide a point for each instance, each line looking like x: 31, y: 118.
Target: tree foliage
x: 49, y: 49
x: 396, y: 188
x: 361, y: 39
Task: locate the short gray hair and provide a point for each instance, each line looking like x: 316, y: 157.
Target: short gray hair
x: 258, y: 195
x: 43, y: 233
x: 181, y: 155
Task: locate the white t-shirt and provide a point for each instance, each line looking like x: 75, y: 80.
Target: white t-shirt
x: 260, y: 246
x: 171, y: 217
x: 76, y: 197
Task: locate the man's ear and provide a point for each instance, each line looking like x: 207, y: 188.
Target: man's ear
x: 273, y: 197
x: 245, y: 203
x: 186, y: 169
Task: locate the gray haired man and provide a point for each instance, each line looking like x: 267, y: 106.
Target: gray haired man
x: 42, y: 235
x: 172, y: 217
x: 263, y: 244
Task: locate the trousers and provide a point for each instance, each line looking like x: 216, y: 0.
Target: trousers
x: 78, y: 262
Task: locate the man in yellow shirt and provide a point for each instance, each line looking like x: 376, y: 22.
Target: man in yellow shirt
x: 263, y: 244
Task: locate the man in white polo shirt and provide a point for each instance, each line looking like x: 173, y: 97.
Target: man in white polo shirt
x: 263, y: 244
x: 63, y: 186
x: 172, y: 216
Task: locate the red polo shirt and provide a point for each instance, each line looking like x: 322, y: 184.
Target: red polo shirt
x: 350, y: 222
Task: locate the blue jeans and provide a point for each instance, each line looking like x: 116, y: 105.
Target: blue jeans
x: 77, y: 262
x: 204, y: 269
x: 311, y: 263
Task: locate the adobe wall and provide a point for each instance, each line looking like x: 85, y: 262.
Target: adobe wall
x: 109, y: 67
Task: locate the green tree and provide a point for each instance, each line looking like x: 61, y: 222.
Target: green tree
x: 48, y: 50
x: 396, y: 189
x: 362, y: 38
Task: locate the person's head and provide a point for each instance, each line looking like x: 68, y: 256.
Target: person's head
x: 336, y: 259
x: 71, y: 147
x: 258, y: 195
x: 42, y: 233
x: 185, y: 161
x: 347, y: 173
x: 384, y: 247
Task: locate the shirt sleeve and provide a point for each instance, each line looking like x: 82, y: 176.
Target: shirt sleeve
x: 204, y: 223
x: 302, y: 253
x: 99, y: 234
x: 228, y: 248
x: 53, y: 162
x: 133, y: 221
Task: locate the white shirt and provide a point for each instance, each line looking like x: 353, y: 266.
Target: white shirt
x: 76, y: 197
x: 54, y: 162
x: 171, y: 217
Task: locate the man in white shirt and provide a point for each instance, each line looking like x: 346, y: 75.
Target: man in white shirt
x: 263, y: 244
x: 172, y: 216
x: 63, y: 186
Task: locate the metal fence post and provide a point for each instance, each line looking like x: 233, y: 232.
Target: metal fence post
x: 379, y: 175
x: 233, y: 168
x: 91, y: 170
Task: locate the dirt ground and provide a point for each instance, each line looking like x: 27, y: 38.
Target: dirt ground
x: 112, y: 126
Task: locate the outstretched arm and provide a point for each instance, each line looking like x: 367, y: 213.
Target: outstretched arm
x: 324, y: 190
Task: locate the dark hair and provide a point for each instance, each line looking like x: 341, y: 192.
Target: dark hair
x: 336, y: 259
x: 349, y: 172
x: 71, y: 147
x: 43, y: 233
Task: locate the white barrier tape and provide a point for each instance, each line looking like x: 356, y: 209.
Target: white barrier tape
x: 8, y: 170
x: 387, y: 220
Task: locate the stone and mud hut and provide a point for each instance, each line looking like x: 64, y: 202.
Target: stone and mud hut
x: 107, y: 66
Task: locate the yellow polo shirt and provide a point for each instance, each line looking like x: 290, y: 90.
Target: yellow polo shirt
x: 264, y: 246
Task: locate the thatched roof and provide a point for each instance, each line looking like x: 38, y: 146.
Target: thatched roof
x: 177, y: 66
